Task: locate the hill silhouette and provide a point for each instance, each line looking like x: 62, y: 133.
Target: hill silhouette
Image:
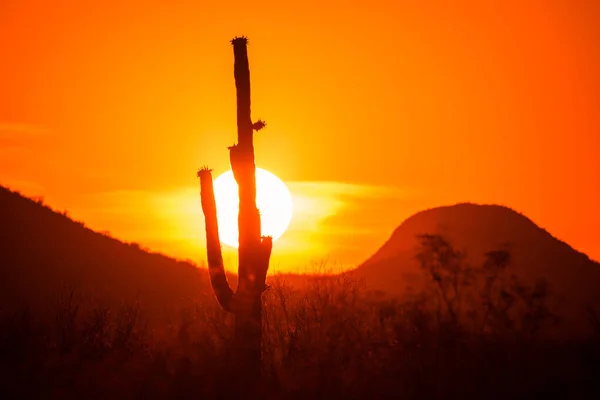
x: 44, y: 253
x: 331, y: 338
x: 573, y: 278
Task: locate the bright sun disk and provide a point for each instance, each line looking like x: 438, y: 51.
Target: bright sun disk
x: 273, y: 199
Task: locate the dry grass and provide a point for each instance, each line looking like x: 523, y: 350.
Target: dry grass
x: 331, y: 339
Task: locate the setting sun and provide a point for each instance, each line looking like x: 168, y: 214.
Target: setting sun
x: 273, y: 200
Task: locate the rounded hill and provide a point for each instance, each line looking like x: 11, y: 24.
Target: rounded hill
x: 573, y: 278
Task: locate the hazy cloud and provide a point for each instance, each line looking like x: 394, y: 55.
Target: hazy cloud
x: 18, y: 141
x: 332, y: 220
x: 27, y: 188
x: 20, y: 134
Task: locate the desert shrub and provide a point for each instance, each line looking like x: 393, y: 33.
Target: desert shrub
x: 486, y: 298
x: 329, y: 339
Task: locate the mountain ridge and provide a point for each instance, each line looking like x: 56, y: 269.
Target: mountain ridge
x: 42, y: 250
x: 468, y: 204
x: 572, y: 276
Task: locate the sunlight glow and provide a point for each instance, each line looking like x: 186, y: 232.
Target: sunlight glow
x: 273, y: 200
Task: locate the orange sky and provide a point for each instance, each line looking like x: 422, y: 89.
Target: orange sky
x: 375, y: 110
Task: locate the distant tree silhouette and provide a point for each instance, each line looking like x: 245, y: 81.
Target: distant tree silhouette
x: 254, y: 251
x: 501, y: 302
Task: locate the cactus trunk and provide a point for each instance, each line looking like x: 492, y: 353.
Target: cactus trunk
x: 254, y: 251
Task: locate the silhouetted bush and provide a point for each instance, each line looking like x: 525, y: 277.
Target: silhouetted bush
x: 331, y: 339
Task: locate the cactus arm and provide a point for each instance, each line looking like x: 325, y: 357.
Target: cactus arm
x: 216, y: 270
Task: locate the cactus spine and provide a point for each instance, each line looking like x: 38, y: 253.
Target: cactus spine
x: 254, y: 251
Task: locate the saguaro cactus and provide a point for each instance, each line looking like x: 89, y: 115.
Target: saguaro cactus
x: 254, y: 250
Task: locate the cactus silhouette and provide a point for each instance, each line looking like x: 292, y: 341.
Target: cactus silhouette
x: 254, y: 250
